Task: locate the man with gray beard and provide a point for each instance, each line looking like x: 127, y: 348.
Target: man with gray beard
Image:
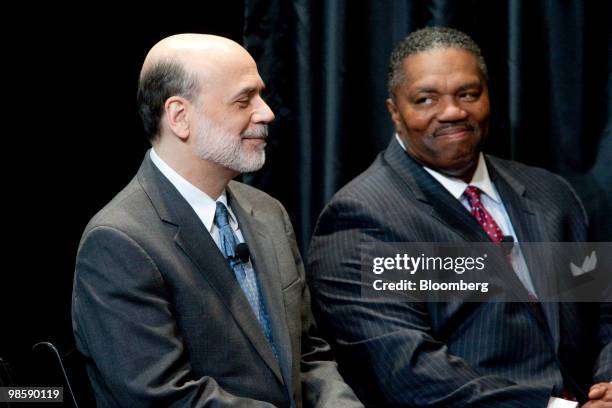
x: 189, y: 288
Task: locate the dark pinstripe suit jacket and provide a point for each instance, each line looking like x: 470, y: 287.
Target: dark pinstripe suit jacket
x: 452, y: 354
x: 161, y: 318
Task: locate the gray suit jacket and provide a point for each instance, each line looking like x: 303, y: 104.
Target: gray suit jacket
x: 163, y: 322
x: 458, y: 354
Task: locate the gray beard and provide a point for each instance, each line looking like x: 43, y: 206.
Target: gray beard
x: 225, y: 149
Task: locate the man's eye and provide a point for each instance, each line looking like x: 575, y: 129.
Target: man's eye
x: 470, y: 96
x: 424, y: 101
x: 243, y: 103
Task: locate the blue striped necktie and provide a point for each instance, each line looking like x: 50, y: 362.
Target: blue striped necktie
x: 245, y: 275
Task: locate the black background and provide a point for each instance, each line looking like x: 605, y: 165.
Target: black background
x: 75, y: 140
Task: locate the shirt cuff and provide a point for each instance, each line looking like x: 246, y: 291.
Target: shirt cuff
x: 555, y: 402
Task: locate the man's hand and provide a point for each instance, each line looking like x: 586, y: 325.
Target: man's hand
x: 600, y: 396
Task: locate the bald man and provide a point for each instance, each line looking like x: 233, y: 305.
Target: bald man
x: 189, y: 288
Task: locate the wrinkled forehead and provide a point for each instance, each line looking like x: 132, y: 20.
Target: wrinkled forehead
x: 223, y: 71
x: 441, y: 63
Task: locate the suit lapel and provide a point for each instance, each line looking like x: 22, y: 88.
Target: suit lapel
x: 448, y: 208
x: 528, y: 220
x: 199, y: 246
x: 459, y: 219
x: 440, y: 204
x: 205, y: 253
x: 264, y: 260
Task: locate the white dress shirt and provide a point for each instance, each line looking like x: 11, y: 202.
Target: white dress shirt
x: 203, y: 205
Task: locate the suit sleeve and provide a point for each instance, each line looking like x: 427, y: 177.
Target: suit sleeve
x: 603, y: 366
x: 386, y: 349
x: 579, y: 221
x: 322, y: 384
x: 123, y: 321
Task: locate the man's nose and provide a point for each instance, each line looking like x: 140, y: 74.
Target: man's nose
x: 451, y: 111
x: 263, y: 113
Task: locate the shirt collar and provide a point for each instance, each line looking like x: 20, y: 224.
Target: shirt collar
x: 203, y: 205
x: 456, y: 186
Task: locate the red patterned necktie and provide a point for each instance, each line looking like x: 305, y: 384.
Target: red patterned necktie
x: 481, y: 214
x: 487, y: 222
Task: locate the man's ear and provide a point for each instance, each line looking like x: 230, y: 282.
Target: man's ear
x: 395, y: 115
x: 178, y: 116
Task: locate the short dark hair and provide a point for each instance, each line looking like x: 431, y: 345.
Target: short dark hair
x: 158, y: 83
x: 427, y: 39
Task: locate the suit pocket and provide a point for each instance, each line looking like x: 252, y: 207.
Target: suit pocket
x: 292, y: 298
x: 296, y: 283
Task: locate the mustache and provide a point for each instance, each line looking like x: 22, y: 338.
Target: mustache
x: 259, y: 132
x: 459, y: 126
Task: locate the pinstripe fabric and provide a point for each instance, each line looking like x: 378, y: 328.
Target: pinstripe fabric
x: 450, y: 354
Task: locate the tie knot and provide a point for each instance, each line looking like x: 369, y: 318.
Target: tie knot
x: 221, y: 215
x: 472, y: 194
